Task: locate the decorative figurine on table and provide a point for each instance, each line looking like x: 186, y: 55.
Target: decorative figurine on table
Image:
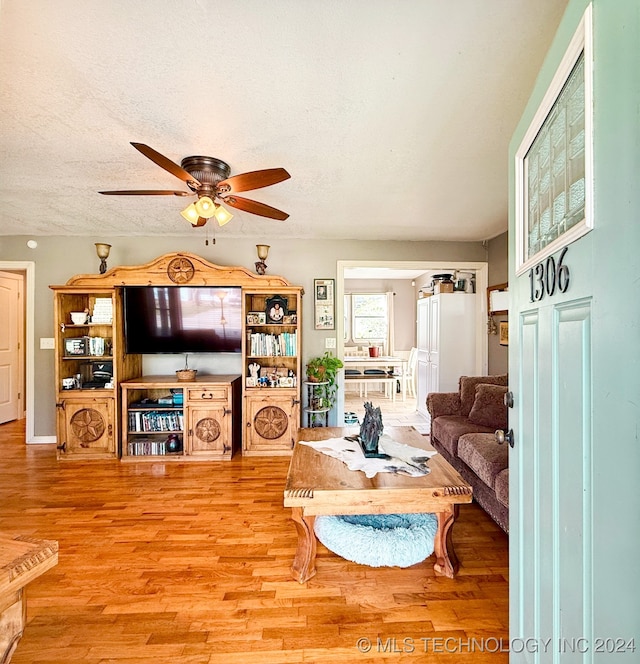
x: 370, y: 432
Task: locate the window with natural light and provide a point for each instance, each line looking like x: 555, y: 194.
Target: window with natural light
x: 366, y: 318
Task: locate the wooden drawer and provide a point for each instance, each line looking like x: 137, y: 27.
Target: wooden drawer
x: 206, y: 393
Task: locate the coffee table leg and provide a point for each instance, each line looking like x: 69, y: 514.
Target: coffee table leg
x: 446, y: 560
x: 304, y: 564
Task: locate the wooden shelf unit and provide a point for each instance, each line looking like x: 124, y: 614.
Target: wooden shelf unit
x: 272, y: 408
x: 207, y: 426
x: 86, y: 413
x: 91, y: 423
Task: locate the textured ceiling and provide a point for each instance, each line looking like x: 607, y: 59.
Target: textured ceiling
x: 392, y: 116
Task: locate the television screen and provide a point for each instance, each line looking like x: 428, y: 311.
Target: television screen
x: 183, y: 319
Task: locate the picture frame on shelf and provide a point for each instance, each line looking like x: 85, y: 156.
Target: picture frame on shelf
x: 324, y: 304
x: 290, y: 319
x: 276, y: 309
x: 256, y: 318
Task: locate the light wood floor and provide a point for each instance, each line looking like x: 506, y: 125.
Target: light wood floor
x: 189, y: 563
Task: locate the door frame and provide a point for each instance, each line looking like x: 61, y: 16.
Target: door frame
x: 481, y: 269
x: 29, y: 269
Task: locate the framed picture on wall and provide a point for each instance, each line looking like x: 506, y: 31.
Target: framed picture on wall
x: 324, y: 304
x: 504, y: 333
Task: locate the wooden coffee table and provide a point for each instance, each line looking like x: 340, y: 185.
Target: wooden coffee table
x: 319, y: 484
x: 22, y: 559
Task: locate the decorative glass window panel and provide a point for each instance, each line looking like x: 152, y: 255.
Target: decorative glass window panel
x: 554, y: 162
x: 555, y: 167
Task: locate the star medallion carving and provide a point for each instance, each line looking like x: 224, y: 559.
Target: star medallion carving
x: 207, y: 430
x: 87, y: 425
x: 180, y: 270
x: 271, y: 422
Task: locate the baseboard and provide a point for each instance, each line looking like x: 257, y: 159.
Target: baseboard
x: 42, y: 440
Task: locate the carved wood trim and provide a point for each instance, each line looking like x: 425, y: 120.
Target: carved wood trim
x: 42, y: 550
x: 157, y: 273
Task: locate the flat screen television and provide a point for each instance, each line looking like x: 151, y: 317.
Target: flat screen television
x: 182, y: 319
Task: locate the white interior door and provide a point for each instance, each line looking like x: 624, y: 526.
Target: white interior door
x: 10, y: 319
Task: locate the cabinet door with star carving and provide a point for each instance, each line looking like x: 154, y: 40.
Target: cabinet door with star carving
x: 271, y: 423
x: 87, y: 428
x: 210, y: 430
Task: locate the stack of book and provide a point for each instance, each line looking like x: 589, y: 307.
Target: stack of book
x: 156, y: 420
x: 102, y: 310
x: 146, y: 446
x: 273, y: 345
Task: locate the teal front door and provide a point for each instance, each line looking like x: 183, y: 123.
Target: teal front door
x: 574, y: 356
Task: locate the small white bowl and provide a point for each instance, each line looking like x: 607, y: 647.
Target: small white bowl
x: 79, y: 317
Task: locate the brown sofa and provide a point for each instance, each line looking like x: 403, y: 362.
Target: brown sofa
x: 463, y: 426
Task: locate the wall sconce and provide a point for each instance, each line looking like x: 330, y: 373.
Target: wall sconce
x: 263, y: 252
x: 102, y: 250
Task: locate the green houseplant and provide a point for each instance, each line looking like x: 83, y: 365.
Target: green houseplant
x: 323, y: 369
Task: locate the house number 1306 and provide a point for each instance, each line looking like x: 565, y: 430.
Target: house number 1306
x: 547, y: 276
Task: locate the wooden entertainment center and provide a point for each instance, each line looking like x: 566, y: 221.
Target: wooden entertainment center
x: 209, y: 417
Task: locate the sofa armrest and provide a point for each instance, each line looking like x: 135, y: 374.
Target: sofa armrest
x: 443, y: 403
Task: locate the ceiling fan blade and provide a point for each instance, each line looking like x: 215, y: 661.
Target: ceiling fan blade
x: 146, y: 192
x: 166, y: 163
x: 255, y: 208
x: 252, y: 180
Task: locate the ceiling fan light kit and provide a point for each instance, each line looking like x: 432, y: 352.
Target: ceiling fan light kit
x: 222, y: 215
x: 205, y: 207
x: 208, y: 178
x: 190, y: 213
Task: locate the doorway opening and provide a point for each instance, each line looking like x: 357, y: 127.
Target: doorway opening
x: 383, y: 270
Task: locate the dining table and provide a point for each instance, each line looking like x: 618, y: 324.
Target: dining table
x: 383, y: 362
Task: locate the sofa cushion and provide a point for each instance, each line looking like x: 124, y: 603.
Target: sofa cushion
x: 448, y: 428
x: 483, y: 455
x: 488, y: 408
x: 502, y: 487
x: 468, y: 389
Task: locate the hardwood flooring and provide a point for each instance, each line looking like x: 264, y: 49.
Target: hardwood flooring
x: 189, y: 564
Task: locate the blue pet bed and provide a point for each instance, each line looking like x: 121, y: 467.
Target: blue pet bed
x: 379, y: 540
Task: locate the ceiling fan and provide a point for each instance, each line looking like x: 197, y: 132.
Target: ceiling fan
x: 208, y: 179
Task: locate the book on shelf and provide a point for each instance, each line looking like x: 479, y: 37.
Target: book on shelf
x: 284, y: 344
x: 156, y: 421
x: 150, y: 447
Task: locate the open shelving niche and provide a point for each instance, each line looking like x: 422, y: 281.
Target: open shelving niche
x: 93, y: 421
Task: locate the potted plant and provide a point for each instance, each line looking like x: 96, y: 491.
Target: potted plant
x: 323, y: 369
